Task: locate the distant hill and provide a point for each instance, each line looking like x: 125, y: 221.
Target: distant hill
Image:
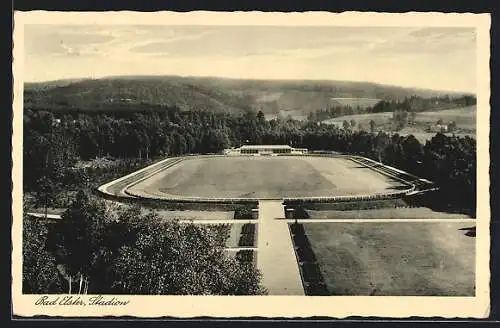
x: 205, y: 93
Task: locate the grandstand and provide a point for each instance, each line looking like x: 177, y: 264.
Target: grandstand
x: 265, y: 150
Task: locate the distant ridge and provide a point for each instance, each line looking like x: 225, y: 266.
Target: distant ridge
x: 206, y: 93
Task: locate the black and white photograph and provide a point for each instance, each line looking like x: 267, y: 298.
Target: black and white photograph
x: 244, y: 158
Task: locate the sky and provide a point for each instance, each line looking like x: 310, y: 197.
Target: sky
x: 441, y: 58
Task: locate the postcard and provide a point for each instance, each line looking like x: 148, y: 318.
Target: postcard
x: 250, y: 164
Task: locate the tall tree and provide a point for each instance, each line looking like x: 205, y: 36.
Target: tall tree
x: 372, y: 126
x: 82, y: 230
x: 346, y: 125
x: 40, y: 273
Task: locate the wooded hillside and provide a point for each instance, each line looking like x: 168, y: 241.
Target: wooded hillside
x: 209, y: 94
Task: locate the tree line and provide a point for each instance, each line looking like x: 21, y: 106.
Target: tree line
x: 55, y: 142
x: 420, y: 104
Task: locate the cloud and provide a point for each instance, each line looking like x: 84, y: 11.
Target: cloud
x: 441, y: 32
x: 429, y: 41
x: 49, y: 41
x: 389, y: 55
x: 165, y: 44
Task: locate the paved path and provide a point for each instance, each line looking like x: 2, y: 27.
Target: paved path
x: 354, y: 220
x: 237, y: 249
x: 42, y: 215
x: 276, y: 259
x: 216, y: 221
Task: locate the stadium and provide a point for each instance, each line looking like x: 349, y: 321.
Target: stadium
x: 247, y: 174
x: 321, y: 223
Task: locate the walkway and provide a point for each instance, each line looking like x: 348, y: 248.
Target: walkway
x: 216, y: 221
x: 355, y: 220
x: 276, y: 256
x: 42, y: 216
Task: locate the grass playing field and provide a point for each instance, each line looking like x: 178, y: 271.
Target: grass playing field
x: 266, y: 177
x: 396, y: 259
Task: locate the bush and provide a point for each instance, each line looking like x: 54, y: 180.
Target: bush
x: 316, y: 289
x: 311, y: 272
x: 243, y: 212
x: 300, y: 240
x: 356, y: 205
x: 306, y: 254
x: 246, y: 240
x: 297, y: 229
x: 244, y: 256
x: 248, y: 228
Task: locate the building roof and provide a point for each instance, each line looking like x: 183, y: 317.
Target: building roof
x: 265, y: 147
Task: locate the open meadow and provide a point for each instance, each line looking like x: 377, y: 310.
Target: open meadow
x: 464, y: 117
x: 363, y: 119
x: 362, y: 103
x: 394, y: 258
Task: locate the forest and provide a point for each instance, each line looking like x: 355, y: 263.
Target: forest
x: 95, y: 250
x: 222, y: 95
x: 54, y: 143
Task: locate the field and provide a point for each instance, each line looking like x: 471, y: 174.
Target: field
x: 295, y: 114
x: 265, y: 177
x: 363, y: 103
x: 397, y: 259
x: 464, y: 117
x: 364, y: 119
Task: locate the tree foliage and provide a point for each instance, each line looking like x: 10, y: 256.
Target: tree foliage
x: 137, y: 135
x: 125, y: 251
x: 184, y: 259
x: 40, y: 273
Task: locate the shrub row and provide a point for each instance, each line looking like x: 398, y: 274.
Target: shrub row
x: 439, y: 200
x: 244, y: 212
x: 301, y: 208
x: 248, y: 228
x: 312, y: 278
x: 311, y: 272
x: 247, y: 236
x: 246, y: 240
x: 306, y: 254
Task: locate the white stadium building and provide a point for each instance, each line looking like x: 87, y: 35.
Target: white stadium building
x: 265, y: 150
